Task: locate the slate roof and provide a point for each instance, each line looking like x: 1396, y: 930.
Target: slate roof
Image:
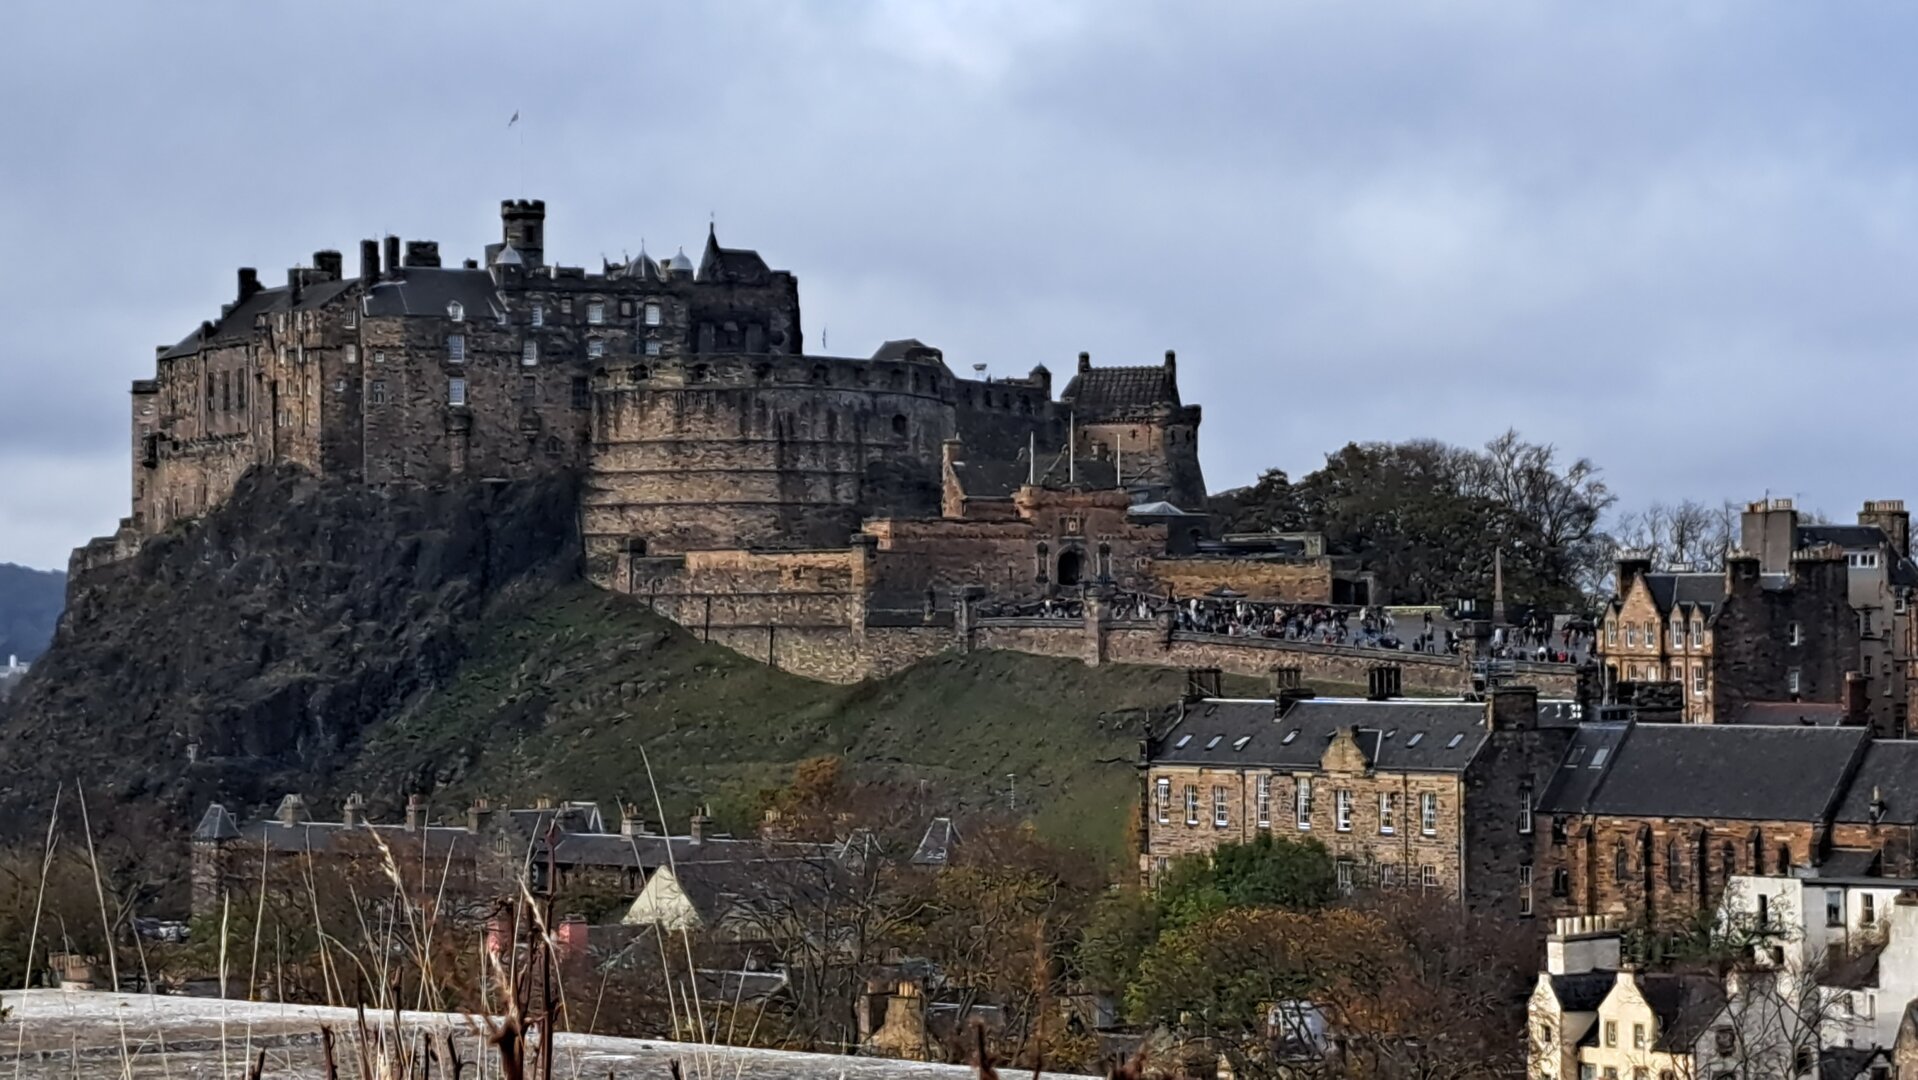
x: 1412, y: 734
x: 426, y: 290
x: 1849, y: 537
x: 898, y: 348
x: 652, y: 851
x: 1700, y: 590
x: 216, y: 824
x: 1583, y: 991
x: 990, y: 479
x: 719, y: 889
x: 1890, y: 768
x: 1849, y: 1062
x: 321, y: 837
x: 736, y: 264
x: 1849, y: 863
x: 936, y: 847
x: 1117, y: 392
x: 1685, y: 1006
x: 237, y: 324
x: 1793, y: 713
x: 1757, y: 773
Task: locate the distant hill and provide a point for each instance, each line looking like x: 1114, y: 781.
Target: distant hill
x: 30, y: 603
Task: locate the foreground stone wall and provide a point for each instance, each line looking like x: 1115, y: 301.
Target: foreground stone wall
x: 1304, y: 581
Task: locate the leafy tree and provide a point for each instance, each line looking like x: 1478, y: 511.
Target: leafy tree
x: 1121, y: 926
x: 1264, y: 872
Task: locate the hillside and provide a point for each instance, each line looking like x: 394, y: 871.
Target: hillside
x: 328, y: 639
x: 30, y: 603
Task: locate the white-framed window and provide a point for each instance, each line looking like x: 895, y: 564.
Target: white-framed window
x: 1795, y: 634
x: 1898, y: 604
x: 456, y: 391
x: 1698, y: 680
x: 1388, y: 875
x: 1678, y: 634
x: 1302, y: 801
x: 1220, y: 816
x: 1342, y: 871
x: 1792, y: 681
x: 652, y: 348
x: 1428, y: 814
x: 1611, y: 632
x: 565, y: 305
x: 1525, y: 808
x: 456, y: 348
x: 652, y: 314
x: 1862, y: 560
x: 379, y: 357
x: 1631, y: 633
x: 529, y: 354
x: 1162, y: 798
x: 352, y: 317
x: 1867, y: 909
x: 456, y: 311
x: 538, y: 315
x: 1191, y: 805
x: 596, y: 348
x: 1428, y: 876
x: 595, y: 314
x: 352, y: 353
x: 1698, y: 633
x: 1638, y: 1037
x: 1342, y: 810
x: 1388, y: 812
x: 1161, y: 864
x: 1262, y: 798
x: 1525, y: 891
x: 376, y: 391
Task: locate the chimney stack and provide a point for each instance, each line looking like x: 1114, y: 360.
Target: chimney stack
x: 1085, y: 362
x: 1202, y: 683
x: 697, y: 833
x: 478, y: 815
x: 1892, y: 519
x: 391, y: 248
x: 1511, y: 708
x: 1171, y: 362
x: 630, y: 823
x: 415, y: 812
x: 422, y: 253
x: 369, y: 262
x: 292, y: 810
x: 1857, y: 700
x: 1584, y: 943
x: 249, y: 283
x: 353, y: 814
x: 329, y: 264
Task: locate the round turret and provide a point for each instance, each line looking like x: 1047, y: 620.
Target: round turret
x: 680, y: 263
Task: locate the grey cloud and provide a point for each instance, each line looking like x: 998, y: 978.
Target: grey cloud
x: 1675, y: 240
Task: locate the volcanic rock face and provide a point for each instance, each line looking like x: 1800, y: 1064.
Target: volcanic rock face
x: 241, y: 655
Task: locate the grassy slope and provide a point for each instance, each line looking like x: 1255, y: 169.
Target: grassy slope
x: 572, y: 693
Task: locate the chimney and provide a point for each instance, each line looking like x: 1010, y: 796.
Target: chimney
x: 1821, y: 568
x: 329, y: 264
x: 249, y: 283
x: 1171, y: 362
x: 1283, y: 678
x: 292, y: 810
x: 391, y: 247
x: 470, y: 264
x: 1383, y: 682
x: 1631, y: 567
x: 1202, y: 683
x: 422, y: 253
x: 415, y: 812
x: 478, y: 815
x: 1769, y: 529
x: 630, y: 823
x: 1511, y: 708
x: 353, y: 814
x: 369, y: 262
x: 1857, y: 700
x: 1283, y: 703
x: 1892, y: 519
x: 1584, y: 943
x: 1085, y: 362
x: 1742, y: 570
x: 696, y: 832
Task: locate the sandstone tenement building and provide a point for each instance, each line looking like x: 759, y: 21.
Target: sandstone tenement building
x: 832, y: 515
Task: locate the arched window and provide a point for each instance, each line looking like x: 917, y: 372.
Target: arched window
x: 899, y: 425
x: 1044, y: 562
x: 1561, y: 882
x: 1674, y: 864
x: 1105, y: 561
x: 698, y: 373
x: 1728, y: 860
x: 1621, y: 863
x: 1071, y: 567
x: 1783, y: 866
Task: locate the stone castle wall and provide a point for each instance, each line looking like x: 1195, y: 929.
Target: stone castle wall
x: 1305, y: 580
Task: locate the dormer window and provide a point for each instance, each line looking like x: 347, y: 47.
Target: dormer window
x: 455, y: 311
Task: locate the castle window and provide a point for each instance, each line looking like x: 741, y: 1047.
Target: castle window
x: 595, y: 348
x: 582, y: 393
x: 529, y: 354
x: 1388, y: 812
x: 352, y: 354
x: 625, y: 309
x: 539, y: 315
x: 1792, y: 681
x: 1525, y: 891
x: 1795, y: 634
x: 652, y: 314
x: 652, y: 348
x: 565, y: 305
x: 456, y: 348
x: 1631, y: 633
x: 1698, y: 633
x: 239, y: 402
x: 899, y: 425
x: 1044, y: 564
x: 698, y: 373
x: 1561, y: 882
x: 226, y: 391
x: 1342, y: 875
x: 1611, y: 632
x: 595, y: 314
x: 352, y: 317
x: 376, y: 392
x: 1303, y: 811
x: 379, y: 357
x: 1678, y: 634
x: 528, y: 389
x: 456, y: 391
x: 1621, y: 864
x: 456, y: 311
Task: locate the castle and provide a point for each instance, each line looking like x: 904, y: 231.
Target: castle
x: 793, y: 506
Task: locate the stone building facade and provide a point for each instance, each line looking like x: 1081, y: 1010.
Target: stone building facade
x: 1406, y: 793
x: 1741, y: 638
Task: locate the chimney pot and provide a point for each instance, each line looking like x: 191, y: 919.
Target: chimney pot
x: 391, y: 249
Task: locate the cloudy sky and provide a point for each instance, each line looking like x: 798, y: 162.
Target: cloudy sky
x: 1681, y: 239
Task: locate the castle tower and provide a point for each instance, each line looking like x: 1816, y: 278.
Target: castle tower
x: 1134, y: 415
x: 523, y: 228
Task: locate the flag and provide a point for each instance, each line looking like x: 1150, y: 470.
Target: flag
x: 514, y: 120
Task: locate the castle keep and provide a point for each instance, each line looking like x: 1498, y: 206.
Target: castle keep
x: 836, y: 516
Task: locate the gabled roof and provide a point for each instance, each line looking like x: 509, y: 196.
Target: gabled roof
x: 987, y: 479
x: 730, y: 264
x: 1685, y: 1005
x: 1694, y: 589
x: 1888, y: 773
x: 1582, y: 992
x: 216, y: 824
x: 1705, y: 771
x: 426, y: 290
x: 1411, y: 734
x: 1111, y: 393
x: 237, y: 324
